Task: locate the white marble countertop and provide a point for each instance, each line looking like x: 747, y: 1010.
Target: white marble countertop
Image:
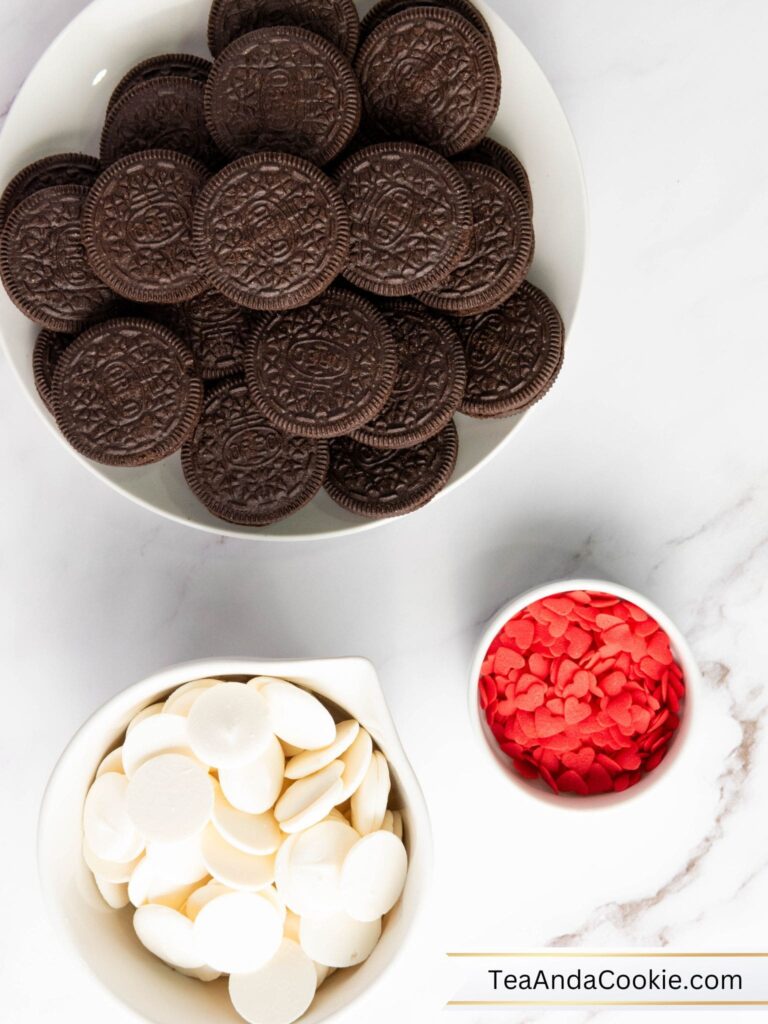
x: 648, y: 464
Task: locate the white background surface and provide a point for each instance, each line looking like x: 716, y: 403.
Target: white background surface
x: 646, y: 464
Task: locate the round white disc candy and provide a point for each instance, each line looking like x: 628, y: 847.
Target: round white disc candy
x: 309, y: 877
x: 160, y: 734
x: 228, y: 725
x: 233, y: 867
x: 369, y: 801
x: 279, y: 993
x: 167, y: 934
x: 297, y: 717
x: 251, y: 833
x: 255, y: 786
x: 337, y: 940
x: 356, y: 761
x: 238, y: 932
x: 113, y: 762
x: 180, y: 694
x: 148, y: 886
x: 170, y: 797
x: 397, y: 824
x: 200, y: 973
x: 181, y: 862
x: 310, y: 761
x: 199, y: 897
x: 114, y: 894
x: 292, y: 925
x: 107, y: 825
x: 153, y: 709
x: 373, y: 876
x: 271, y: 894
x: 304, y: 793
x: 111, y: 870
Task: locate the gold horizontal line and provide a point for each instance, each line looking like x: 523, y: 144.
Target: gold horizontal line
x: 600, y: 956
x: 607, y: 1002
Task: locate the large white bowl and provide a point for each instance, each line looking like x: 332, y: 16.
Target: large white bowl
x: 105, y: 939
x: 61, y: 108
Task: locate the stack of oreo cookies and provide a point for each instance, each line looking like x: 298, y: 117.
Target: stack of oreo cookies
x: 294, y: 263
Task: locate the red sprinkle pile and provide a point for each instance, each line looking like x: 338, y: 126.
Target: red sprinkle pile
x: 582, y: 690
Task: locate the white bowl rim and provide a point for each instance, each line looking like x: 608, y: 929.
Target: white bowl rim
x: 223, y: 528
x: 600, y: 801
x: 144, y: 691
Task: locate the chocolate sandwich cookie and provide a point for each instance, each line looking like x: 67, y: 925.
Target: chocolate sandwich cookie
x: 163, y: 113
x: 216, y: 330
x: 410, y: 218
x: 165, y: 65
x: 283, y: 88
x: 501, y: 249
x: 43, y: 263
x: 48, y: 349
x: 126, y: 393
x: 493, y: 154
x: 137, y: 226
x: 386, y: 8
x: 335, y: 20
x: 271, y: 231
x: 428, y: 75
x: 513, y: 354
x: 378, y: 484
x: 245, y: 470
x: 325, y: 369
x: 431, y: 377
x: 59, y: 169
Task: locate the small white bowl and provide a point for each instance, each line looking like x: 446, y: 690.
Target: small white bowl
x: 538, y: 789
x: 61, y: 108
x: 104, y: 938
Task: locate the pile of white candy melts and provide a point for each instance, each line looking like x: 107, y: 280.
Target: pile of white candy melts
x: 252, y: 834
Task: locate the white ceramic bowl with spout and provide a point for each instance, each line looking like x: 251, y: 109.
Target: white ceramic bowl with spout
x: 105, y: 940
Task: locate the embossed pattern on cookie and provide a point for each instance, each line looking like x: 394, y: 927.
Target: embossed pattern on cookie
x: 216, y: 330
x: 245, y: 470
x: 286, y: 89
x: 501, y: 248
x: 428, y: 75
x: 165, y: 65
x: 386, y: 8
x: 431, y: 378
x: 59, y: 169
x: 378, y: 484
x: 410, y: 218
x: 43, y: 263
x: 271, y: 231
x: 126, y: 393
x: 137, y: 226
x: 514, y: 354
x: 163, y: 113
x: 335, y: 20
x: 493, y: 154
x: 325, y: 369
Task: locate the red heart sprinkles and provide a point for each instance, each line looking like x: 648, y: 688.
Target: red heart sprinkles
x: 582, y: 691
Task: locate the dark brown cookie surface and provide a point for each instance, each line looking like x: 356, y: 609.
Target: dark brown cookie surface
x: 59, y: 169
x: 43, y: 262
x: 386, y: 8
x: 163, y: 113
x: 377, y: 484
x: 271, y: 231
x: 137, y: 226
x: 431, y: 378
x: 245, y: 470
x: 165, y: 65
x: 513, y: 354
x: 410, y: 218
x: 216, y: 330
x: 286, y: 89
x: 335, y: 20
x: 125, y: 393
x: 493, y: 154
x: 325, y: 369
x: 428, y: 75
x: 501, y: 247
x: 48, y: 349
